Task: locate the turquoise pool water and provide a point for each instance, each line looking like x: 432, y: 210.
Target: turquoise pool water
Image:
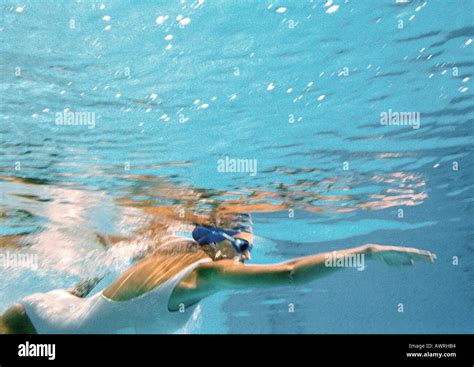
x: 296, y: 87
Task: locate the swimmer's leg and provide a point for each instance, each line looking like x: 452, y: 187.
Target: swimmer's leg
x: 16, y: 321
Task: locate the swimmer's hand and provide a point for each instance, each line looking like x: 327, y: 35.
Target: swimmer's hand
x: 395, y: 255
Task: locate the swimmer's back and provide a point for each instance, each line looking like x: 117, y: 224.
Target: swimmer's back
x: 60, y: 312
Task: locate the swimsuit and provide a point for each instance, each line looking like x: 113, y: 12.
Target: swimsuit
x: 59, y: 312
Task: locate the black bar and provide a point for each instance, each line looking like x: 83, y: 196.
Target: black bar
x: 316, y: 350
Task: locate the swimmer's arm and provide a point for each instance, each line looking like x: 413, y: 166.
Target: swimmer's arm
x: 228, y: 274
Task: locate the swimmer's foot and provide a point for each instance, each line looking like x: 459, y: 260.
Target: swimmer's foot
x: 395, y: 255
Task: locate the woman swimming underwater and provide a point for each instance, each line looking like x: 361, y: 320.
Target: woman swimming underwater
x: 159, y: 292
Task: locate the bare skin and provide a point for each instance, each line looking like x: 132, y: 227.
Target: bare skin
x: 16, y: 321
x: 211, y: 277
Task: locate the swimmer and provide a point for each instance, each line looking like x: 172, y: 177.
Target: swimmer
x: 160, y: 293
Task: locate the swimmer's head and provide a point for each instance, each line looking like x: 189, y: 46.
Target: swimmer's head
x: 221, y: 243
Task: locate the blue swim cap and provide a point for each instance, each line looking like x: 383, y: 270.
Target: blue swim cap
x: 205, y: 235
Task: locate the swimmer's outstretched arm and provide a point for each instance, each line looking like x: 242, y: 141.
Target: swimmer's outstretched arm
x: 227, y: 274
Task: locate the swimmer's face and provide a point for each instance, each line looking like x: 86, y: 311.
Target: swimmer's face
x: 225, y: 250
